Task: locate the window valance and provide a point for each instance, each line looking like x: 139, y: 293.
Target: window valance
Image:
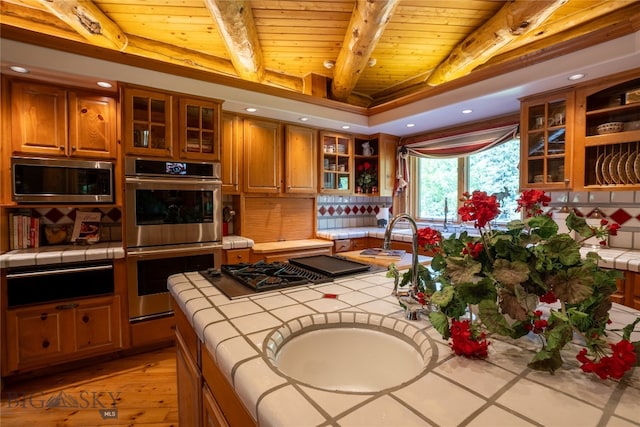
x: 462, y: 144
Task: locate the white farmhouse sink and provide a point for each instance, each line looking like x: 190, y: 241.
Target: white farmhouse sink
x: 353, y: 357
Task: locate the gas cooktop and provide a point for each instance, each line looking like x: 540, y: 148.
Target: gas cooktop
x: 239, y: 280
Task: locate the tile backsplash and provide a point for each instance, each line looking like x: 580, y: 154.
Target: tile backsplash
x: 621, y: 207
x: 349, y: 211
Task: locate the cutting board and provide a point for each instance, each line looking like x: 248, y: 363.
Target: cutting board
x: 403, y: 262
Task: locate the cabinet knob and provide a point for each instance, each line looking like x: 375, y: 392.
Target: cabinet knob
x: 45, y: 343
x: 85, y: 318
x: 62, y: 148
x: 44, y: 316
x: 73, y: 148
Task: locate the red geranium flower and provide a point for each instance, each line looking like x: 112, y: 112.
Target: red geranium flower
x: 428, y: 237
x: 623, y: 357
x: 479, y: 207
x: 465, y: 342
x: 532, y: 201
x: 473, y: 249
x: 549, y: 298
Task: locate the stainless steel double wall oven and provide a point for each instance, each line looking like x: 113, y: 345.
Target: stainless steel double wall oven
x: 173, y: 225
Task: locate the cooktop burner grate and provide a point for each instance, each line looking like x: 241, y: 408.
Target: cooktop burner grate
x: 263, y: 276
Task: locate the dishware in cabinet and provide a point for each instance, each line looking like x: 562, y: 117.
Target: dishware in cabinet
x: 546, y: 135
x: 337, y: 163
x: 608, y: 132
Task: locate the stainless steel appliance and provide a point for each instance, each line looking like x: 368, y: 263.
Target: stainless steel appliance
x: 240, y: 280
x: 37, y: 180
x: 173, y: 225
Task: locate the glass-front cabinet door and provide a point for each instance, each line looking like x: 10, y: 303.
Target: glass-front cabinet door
x: 546, y: 135
x: 199, y: 129
x: 148, y: 122
x: 337, y: 150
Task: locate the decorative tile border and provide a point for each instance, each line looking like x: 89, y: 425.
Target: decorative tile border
x: 349, y: 211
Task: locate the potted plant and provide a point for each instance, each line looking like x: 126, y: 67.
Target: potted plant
x: 526, y: 279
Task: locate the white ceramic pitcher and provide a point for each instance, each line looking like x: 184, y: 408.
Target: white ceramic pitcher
x: 366, y: 149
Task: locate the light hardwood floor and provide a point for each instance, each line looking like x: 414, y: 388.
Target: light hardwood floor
x: 141, y: 388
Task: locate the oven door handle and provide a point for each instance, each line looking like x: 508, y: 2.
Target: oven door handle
x: 172, y: 250
x: 172, y: 181
x: 59, y: 271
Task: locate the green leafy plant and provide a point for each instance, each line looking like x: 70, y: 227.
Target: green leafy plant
x: 504, y: 277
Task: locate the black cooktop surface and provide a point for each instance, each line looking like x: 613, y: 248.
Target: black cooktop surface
x: 239, y: 280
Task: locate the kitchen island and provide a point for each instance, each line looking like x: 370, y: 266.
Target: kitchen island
x: 451, y: 390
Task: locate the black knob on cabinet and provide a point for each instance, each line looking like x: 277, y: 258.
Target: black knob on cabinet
x: 45, y: 343
x: 85, y: 318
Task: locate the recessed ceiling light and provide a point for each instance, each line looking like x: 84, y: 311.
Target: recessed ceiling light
x: 251, y: 109
x: 577, y: 76
x: 346, y: 127
x: 304, y: 119
x: 410, y: 125
x: 105, y: 84
x: 18, y: 69
x: 467, y: 111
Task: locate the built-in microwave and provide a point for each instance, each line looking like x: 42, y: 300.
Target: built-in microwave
x: 40, y: 180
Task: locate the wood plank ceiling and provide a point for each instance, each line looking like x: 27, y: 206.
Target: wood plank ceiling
x: 382, y: 52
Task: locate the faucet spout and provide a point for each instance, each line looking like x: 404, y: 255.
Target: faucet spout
x: 414, y: 246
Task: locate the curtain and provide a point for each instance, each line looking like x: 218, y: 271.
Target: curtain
x: 462, y: 144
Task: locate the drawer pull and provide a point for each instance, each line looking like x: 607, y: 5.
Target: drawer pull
x: 85, y: 318
x: 67, y: 306
x: 45, y: 343
x: 44, y: 316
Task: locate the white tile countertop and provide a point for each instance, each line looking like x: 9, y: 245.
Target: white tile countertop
x: 451, y: 390
x: 619, y: 258
x: 61, y: 254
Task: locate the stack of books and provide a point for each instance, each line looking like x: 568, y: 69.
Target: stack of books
x: 24, y: 231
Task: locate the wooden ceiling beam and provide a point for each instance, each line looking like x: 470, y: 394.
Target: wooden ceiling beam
x: 512, y: 21
x: 88, y: 21
x: 368, y: 21
x: 237, y: 28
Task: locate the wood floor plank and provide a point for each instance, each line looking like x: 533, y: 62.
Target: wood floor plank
x: 141, y: 388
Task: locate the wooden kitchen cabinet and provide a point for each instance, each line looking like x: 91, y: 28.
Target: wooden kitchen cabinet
x: 39, y: 335
x: 188, y: 374
x: 300, y: 148
x: 147, y: 127
x: 205, y: 397
x: 273, y: 164
x: 237, y: 256
x: 56, y: 121
x: 262, y: 156
x: 199, y: 124
x: 232, y: 149
x: 382, y: 159
x: 546, y: 134
x: 346, y: 245
x: 607, y: 136
x: 337, y: 163
x: 170, y: 125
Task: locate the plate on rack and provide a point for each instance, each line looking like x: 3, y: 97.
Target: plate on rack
x: 599, y: 179
x: 606, y: 176
x: 636, y: 166
x: 628, y: 167
x: 622, y: 172
x: 613, y: 169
